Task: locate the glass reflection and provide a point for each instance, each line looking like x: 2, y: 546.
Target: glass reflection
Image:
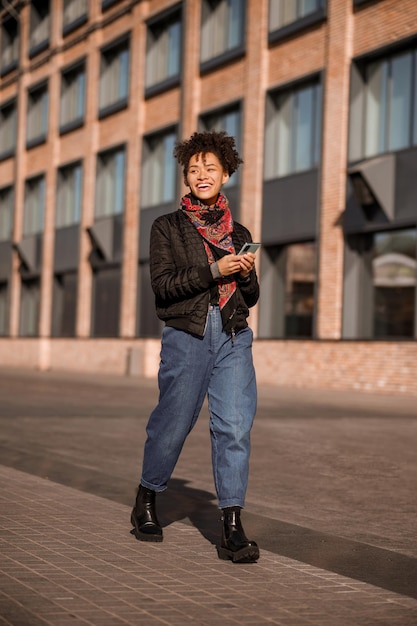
x: 299, y: 289
x: 394, y: 283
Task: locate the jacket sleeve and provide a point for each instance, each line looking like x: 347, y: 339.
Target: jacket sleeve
x: 249, y: 288
x: 171, y: 281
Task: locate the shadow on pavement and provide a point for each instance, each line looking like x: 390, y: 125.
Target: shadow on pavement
x: 356, y: 560
x: 181, y: 501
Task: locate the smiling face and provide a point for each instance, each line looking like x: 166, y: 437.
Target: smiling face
x: 205, y: 177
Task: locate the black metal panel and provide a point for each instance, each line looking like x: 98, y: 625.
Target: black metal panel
x: 107, y: 238
x: 290, y: 208
x: 66, y: 249
x: 406, y: 185
x: 30, y: 252
x: 5, y: 259
x: 358, y: 219
x: 106, y: 302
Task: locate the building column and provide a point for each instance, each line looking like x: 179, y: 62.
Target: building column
x: 85, y: 274
x: 47, y: 272
x: 191, y: 80
x: 333, y: 168
x: 130, y: 263
x: 253, y: 131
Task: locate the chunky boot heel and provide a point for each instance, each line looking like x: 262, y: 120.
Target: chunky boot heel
x: 143, y: 518
x: 235, y: 545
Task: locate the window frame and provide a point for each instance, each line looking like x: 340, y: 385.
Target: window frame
x: 229, y: 55
x: 299, y: 25
x: 66, y: 167
x: 113, y: 150
x: 316, y: 131
x: 273, y: 316
x: 357, y: 98
x: 79, y: 121
x: 8, y: 189
x: 30, y: 292
x: 106, y: 4
x: 37, y: 48
x: 146, y: 180
x: 78, y: 21
x: 41, y: 177
x: 170, y: 15
x: 4, y: 308
x: 122, y: 101
x: 10, y: 151
x: 43, y: 135
x: 358, y: 306
x: 14, y: 63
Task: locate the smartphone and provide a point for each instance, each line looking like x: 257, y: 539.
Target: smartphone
x: 249, y: 247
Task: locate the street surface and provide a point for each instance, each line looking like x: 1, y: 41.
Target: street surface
x: 331, y: 503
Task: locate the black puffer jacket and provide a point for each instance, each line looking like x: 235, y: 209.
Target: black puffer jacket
x: 182, y: 279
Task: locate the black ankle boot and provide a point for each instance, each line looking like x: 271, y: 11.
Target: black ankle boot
x: 235, y: 545
x: 143, y: 518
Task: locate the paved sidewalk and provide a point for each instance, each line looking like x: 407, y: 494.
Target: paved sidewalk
x: 331, y: 502
x: 67, y: 558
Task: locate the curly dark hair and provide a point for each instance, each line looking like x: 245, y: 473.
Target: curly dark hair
x: 217, y: 142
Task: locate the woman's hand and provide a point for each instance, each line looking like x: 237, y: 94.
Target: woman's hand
x: 234, y: 263
x: 247, y: 261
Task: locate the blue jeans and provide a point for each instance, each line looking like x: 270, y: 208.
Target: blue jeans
x: 190, y: 368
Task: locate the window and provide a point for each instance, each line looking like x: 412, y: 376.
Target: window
x: 75, y: 14
x: 114, y: 77
x: 110, y: 182
x: 39, y: 26
x: 293, y: 130
x: 229, y: 120
x: 106, y: 4
x: 384, y: 105
x: 9, y: 45
x: 4, y: 309
x: 159, y: 169
x: 37, y: 115
x: 106, y: 302
x: 394, y: 275
x: 8, y: 126
x: 6, y: 213
x: 300, y: 273
x: 288, y: 285
x: 29, y: 308
x: 69, y: 195
x: 163, y: 51
x: 284, y: 12
x: 34, y: 206
x: 72, y: 98
x: 64, y: 309
x: 222, y: 28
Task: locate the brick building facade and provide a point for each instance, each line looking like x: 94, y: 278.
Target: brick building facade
x: 322, y: 99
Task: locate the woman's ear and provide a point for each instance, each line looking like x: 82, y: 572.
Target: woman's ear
x: 225, y: 178
x: 186, y: 181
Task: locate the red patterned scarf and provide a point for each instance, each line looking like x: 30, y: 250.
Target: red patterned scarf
x: 215, y: 225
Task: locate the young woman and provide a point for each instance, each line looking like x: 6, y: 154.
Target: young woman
x: 203, y: 291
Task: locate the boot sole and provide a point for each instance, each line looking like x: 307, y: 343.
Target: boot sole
x: 249, y: 554
x: 140, y: 536
x: 144, y: 537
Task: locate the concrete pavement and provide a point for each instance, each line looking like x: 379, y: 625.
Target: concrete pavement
x: 331, y: 502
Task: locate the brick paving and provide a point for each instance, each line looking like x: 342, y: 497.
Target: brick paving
x: 67, y: 557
